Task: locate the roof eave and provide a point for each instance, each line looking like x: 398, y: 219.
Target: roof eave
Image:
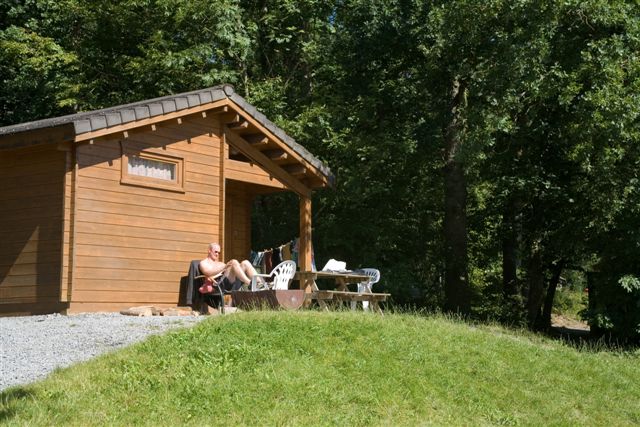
x: 88, y: 125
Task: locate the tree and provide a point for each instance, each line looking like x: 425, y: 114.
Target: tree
x: 127, y: 50
x: 36, y: 75
x: 480, y: 146
x: 559, y: 163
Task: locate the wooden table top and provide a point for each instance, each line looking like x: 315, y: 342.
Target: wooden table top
x: 349, y: 276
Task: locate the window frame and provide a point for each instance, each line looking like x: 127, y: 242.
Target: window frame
x: 176, y: 185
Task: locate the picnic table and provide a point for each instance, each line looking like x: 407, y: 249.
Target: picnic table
x: 341, y: 292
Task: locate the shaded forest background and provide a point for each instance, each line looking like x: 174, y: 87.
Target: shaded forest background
x: 485, y: 150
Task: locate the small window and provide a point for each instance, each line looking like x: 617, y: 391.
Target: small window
x: 152, y: 170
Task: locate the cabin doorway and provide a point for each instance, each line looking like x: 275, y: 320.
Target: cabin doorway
x: 257, y: 218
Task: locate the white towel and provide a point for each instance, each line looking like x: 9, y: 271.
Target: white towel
x: 333, y: 265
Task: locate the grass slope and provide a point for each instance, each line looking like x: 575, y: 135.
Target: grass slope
x: 309, y: 368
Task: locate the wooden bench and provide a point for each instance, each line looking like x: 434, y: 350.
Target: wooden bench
x: 325, y: 297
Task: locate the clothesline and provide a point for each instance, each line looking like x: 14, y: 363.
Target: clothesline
x: 266, y: 259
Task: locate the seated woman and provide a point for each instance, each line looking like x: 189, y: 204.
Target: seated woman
x: 232, y: 271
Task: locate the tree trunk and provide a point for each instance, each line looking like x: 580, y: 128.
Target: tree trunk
x: 536, y: 284
x: 545, y: 320
x: 456, y: 287
x: 509, y: 250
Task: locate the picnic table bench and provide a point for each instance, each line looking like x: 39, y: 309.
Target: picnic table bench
x: 341, y: 294
x: 323, y: 297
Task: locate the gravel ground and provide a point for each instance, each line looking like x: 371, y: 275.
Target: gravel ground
x: 31, y: 347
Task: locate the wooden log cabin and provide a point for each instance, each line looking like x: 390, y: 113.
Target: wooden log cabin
x: 104, y: 210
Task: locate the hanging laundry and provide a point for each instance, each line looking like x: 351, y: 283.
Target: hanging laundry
x: 285, y: 251
x: 256, y: 260
x: 276, y: 257
x: 265, y: 260
x: 295, y: 255
x: 253, y: 257
x: 294, y: 250
x: 268, y: 265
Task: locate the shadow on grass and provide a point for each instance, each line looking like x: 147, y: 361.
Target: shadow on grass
x: 576, y: 337
x: 9, y: 400
x: 582, y: 339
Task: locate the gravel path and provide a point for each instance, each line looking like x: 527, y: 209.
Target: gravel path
x: 31, y: 347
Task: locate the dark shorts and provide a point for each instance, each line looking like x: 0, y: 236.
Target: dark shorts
x: 227, y: 285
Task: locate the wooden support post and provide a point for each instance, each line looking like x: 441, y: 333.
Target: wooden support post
x: 69, y: 216
x: 223, y: 195
x: 304, y: 250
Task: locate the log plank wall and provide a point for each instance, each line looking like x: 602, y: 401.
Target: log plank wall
x: 134, y: 243
x: 31, y: 206
x: 237, y: 220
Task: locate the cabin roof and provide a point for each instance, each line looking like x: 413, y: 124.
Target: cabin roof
x: 97, y: 120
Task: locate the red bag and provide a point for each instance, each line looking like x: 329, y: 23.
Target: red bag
x: 207, y: 287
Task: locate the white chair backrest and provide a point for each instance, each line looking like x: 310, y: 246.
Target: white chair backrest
x: 282, y: 275
x: 374, y: 275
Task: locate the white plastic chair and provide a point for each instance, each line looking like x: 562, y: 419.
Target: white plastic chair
x: 365, y: 287
x: 279, y: 277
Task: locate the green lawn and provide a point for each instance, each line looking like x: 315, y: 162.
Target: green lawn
x: 309, y: 368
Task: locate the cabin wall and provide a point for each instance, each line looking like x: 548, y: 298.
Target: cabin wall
x: 77, y: 236
x: 133, y: 243
x: 237, y: 220
x: 31, y: 205
x: 250, y: 173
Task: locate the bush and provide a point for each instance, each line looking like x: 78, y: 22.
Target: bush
x: 614, y: 306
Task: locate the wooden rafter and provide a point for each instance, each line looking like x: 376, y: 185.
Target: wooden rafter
x: 258, y: 157
x: 242, y: 124
x: 295, y: 170
x: 276, y: 155
x: 256, y: 124
x: 257, y: 139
